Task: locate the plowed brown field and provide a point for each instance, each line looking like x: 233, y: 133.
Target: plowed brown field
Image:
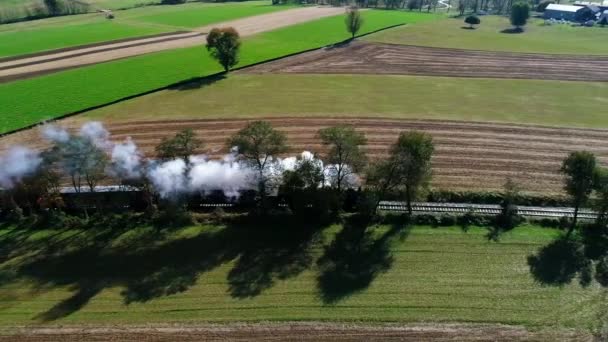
x: 376, y: 58
x: 469, y: 156
x: 299, y: 332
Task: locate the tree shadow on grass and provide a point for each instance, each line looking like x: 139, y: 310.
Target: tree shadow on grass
x: 145, y: 272
x: 355, y: 258
x: 198, y: 82
x: 559, y: 262
x: 280, y: 250
x: 264, y: 252
x: 513, y: 30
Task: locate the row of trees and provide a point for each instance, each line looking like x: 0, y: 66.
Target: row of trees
x: 41, y: 9
x: 316, y: 184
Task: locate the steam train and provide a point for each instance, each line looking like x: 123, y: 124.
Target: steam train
x: 123, y: 197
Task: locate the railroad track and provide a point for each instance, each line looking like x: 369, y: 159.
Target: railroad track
x: 485, y: 209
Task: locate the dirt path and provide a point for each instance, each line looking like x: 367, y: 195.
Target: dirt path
x: 60, y: 60
x: 469, y: 155
x: 297, y: 332
x: 375, y: 58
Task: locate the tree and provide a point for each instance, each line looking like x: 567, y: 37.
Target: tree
x: 53, y: 6
x: 345, y: 156
x: 258, y: 145
x: 183, y: 145
x: 412, y: 152
x: 354, y: 21
x: 520, y: 12
x: 600, y: 185
x: 224, y: 44
x: 579, y: 169
x: 83, y: 161
x: 509, y: 217
x: 301, y: 189
x: 472, y: 20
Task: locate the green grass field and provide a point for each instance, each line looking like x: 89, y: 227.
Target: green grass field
x: 412, y: 97
x: 283, y: 272
x: 33, y: 100
x: 23, y: 38
x: 556, y: 39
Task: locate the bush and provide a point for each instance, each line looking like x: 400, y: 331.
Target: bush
x: 520, y: 14
x: 472, y: 20
x: 172, y: 2
x: 543, y: 5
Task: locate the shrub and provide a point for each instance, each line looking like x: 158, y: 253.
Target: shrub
x: 520, y: 13
x: 472, y: 20
x: 172, y: 2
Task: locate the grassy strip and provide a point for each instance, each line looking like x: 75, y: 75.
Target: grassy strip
x: 29, y: 101
x: 98, y: 30
x: 245, y: 273
x: 537, y: 38
x: 60, y: 33
x: 243, y: 95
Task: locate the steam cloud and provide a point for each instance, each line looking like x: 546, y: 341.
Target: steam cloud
x: 97, y: 133
x: 17, y: 163
x: 170, y: 178
x: 126, y: 160
x: 55, y: 134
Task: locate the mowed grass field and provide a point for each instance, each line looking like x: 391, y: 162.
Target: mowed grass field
x: 555, y: 103
x: 33, y: 100
x: 54, y: 33
x: 284, y: 273
x: 537, y: 38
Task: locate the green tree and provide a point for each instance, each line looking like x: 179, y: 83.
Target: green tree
x: 258, y: 145
x: 579, y: 169
x: 224, y: 45
x: 183, y: 145
x: 520, y: 12
x: 472, y: 20
x: 345, y: 156
x: 354, y: 21
x: 53, y: 6
x: 413, y: 152
x: 600, y: 185
x: 508, y: 217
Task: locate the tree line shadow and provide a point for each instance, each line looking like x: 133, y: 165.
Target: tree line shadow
x: 578, y: 257
x: 149, y: 266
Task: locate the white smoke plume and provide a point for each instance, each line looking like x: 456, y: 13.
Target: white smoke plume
x: 228, y: 176
x: 126, y: 160
x: 55, y: 133
x: 168, y: 178
x: 97, y: 133
x: 17, y: 163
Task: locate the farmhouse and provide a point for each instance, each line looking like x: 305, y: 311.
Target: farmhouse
x: 565, y: 12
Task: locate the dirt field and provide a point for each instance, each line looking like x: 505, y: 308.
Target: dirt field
x: 297, y: 332
x: 469, y: 156
x: 40, y: 64
x: 375, y: 58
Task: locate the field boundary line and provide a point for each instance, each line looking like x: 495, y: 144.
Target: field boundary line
x: 190, y: 80
x: 88, y: 46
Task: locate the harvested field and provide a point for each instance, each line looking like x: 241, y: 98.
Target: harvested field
x: 469, y: 156
x: 31, y: 66
x: 296, y: 332
x: 375, y: 58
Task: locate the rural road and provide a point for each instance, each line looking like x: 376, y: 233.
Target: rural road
x: 30, y: 66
